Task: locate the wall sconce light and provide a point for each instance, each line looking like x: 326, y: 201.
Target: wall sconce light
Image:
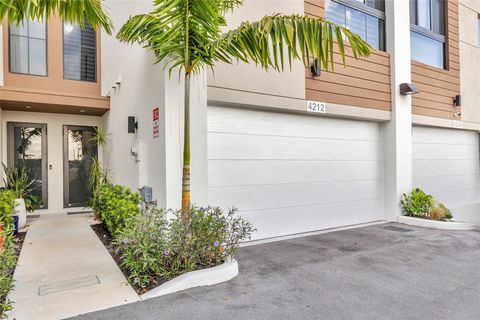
x: 457, y: 101
x: 408, y: 89
x: 315, y: 68
x: 132, y: 124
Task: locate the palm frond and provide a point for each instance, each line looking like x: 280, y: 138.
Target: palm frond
x: 180, y: 31
x: 265, y: 41
x: 72, y: 11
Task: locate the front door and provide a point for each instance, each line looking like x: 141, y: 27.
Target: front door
x: 79, y: 148
x: 27, y: 148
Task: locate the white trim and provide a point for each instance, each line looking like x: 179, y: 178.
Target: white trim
x: 441, y: 225
x: 225, y: 97
x: 205, y: 277
x: 444, y: 123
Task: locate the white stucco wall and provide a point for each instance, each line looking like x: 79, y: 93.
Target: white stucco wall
x: 143, y: 87
x: 469, y: 59
x: 54, y: 124
x: 251, y: 79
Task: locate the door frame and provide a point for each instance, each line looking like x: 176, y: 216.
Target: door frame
x: 11, y: 156
x: 66, y: 177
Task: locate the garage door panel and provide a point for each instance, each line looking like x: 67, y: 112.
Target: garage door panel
x: 447, y: 165
x: 448, y: 183
x: 446, y: 151
x: 236, y: 146
x: 443, y: 136
x: 290, y: 174
x: 288, y: 195
x: 228, y: 120
x: 427, y: 168
x: 271, y: 223
x: 257, y: 172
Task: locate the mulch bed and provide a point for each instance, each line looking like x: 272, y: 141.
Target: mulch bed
x: 19, y: 239
x: 107, y: 240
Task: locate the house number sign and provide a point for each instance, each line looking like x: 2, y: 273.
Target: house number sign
x: 315, y: 106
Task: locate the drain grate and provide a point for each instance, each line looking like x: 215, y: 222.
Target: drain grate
x: 33, y: 216
x: 397, y: 229
x: 79, y: 212
x: 67, y: 285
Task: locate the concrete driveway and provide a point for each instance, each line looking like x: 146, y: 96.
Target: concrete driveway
x: 377, y: 272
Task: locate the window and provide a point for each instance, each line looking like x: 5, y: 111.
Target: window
x: 28, y: 48
x: 363, y: 17
x: 427, y: 31
x: 79, y: 53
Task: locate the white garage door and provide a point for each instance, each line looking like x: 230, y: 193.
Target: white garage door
x: 290, y: 174
x: 446, y: 164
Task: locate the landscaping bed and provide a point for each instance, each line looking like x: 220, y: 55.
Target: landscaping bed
x: 108, y: 241
x: 153, y: 245
x: 6, y: 275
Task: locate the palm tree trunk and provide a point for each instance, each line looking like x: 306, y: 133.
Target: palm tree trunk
x: 186, y: 148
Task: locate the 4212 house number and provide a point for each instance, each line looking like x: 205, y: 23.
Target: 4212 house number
x: 315, y: 106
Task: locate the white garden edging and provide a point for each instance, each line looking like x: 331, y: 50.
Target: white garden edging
x: 206, y: 277
x: 441, y: 225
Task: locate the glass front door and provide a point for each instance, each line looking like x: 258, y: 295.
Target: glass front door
x: 27, y: 148
x: 78, y: 150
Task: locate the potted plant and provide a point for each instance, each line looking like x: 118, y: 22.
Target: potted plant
x: 17, y: 180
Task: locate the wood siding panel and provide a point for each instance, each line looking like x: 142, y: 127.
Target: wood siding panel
x: 438, y: 87
x: 363, y: 83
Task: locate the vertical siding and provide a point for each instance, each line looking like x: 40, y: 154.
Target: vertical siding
x: 438, y: 87
x: 363, y: 83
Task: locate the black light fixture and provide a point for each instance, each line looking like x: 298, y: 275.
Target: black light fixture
x: 408, y: 89
x: 315, y: 68
x: 132, y: 124
x: 457, y: 100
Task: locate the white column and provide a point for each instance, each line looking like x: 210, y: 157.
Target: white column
x: 174, y: 140
x: 398, y: 132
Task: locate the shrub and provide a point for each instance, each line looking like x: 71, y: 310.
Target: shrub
x: 8, y: 257
x: 422, y: 205
x: 8, y: 260
x: 151, y: 247
x: 115, y: 204
x: 7, y: 198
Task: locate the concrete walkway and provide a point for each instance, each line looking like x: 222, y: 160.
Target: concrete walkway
x: 64, y: 270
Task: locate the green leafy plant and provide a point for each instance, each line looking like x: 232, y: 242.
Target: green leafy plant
x: 16, y: 179
x: 153, y: 247
x: 189, y: 35
x: 7, y: 198
x: 8, y: 257
x: 422, y: 205
x: 115, y: 204
x: 99, y: 175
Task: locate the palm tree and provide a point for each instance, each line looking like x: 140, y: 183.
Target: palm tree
x: 188, y: 34
x: 72, y: 11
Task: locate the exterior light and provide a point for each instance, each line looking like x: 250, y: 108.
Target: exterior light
x: 132, y: 124
x: 82, y: 111
x: 315, y: 68
x: 68, y: 27
x: 457, y: 100
x: 28, y: 107
x: 408, y: 89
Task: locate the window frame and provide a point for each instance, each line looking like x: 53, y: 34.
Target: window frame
x: 362, y: 7
x: 28, y: 38
x: 63, y: 55
x: 431, y: 34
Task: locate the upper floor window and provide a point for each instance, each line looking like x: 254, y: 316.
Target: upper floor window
x: 79, y: 52
x: 28, y: 48
x: 427, y: 36
x: 478, y: 31
x: 363, y: 17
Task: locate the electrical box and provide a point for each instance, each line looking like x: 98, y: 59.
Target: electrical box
x: 147, y: 194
